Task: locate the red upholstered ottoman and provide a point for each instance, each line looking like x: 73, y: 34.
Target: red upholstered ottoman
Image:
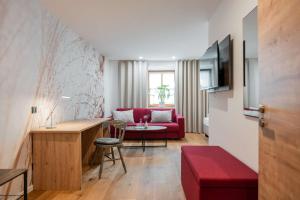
x: 211, y: 173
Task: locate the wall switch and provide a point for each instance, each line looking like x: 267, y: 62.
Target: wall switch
x: 33, y: 109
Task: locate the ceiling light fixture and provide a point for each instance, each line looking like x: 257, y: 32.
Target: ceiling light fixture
x: 173, y: 57
x: 141, y: 58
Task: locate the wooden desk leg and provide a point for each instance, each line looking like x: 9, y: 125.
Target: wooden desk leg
x: 25, y: 185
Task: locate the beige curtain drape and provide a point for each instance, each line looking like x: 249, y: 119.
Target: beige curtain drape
x: 132, y: 84
x: 189, y: 97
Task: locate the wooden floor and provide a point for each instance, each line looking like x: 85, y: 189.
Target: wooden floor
x: 154, y: 174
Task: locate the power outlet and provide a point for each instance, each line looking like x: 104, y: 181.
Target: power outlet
x: 33, y: 109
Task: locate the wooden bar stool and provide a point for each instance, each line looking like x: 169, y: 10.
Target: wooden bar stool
x: 113, y: 140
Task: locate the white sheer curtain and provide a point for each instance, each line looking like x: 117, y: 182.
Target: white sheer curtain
x: 132, y: 77
x: 188, y: 94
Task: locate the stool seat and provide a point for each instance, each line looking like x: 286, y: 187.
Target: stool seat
x: 107, y: 141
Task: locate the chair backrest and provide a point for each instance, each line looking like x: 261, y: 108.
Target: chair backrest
x: 115, y: 128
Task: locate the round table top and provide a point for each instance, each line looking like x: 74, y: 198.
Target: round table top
x: 149, y: 128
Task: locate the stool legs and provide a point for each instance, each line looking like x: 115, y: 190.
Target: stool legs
x: 123, y: 163
x: 95, y: 156
x: 102, y: 155
x: 102, y: 162
x: 113, y: 155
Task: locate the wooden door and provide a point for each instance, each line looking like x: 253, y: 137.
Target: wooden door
x: 279, y: 61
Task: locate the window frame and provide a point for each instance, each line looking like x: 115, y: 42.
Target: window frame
x: 148, y: 89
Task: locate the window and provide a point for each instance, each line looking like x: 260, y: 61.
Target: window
x: 161, y: 88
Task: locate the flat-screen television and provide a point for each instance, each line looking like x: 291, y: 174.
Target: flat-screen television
x: 225, y: 78
x: 209, y: 68
x: 216, y: 69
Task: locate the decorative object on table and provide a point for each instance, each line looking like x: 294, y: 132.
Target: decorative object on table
x: 141, y: 122
x: 163, y: 94
x: 140, y: 125
x: 146, y: 118
x: 52, y: 111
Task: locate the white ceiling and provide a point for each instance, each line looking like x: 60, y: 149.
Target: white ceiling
x: 128, y: 29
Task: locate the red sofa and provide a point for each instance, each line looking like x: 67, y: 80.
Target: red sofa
x: 175, y: 129
x: 211, y: 173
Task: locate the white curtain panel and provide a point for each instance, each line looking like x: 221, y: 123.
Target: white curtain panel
x: 188, y: 94
x: 133, y: 84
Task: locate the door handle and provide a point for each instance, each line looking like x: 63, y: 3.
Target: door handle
x: 261, y: 110
x: 262, y: 122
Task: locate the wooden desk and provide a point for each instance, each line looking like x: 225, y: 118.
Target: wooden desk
x: 60, y: 153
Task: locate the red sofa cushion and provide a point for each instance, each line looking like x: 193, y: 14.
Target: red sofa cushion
x: 139, y: 113
x: 213, y: 166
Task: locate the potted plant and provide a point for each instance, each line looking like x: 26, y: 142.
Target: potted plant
x: 163, y: 94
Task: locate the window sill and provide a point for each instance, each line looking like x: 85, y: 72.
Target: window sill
x: 159, y: 106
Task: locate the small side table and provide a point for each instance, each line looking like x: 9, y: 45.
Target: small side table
x: 7, y: 175
x: 145, y: 131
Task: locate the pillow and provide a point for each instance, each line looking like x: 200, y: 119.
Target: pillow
x: 161, y: 116
x: 126, y: 116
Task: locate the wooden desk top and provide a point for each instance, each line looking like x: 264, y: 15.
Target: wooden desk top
x: 76, y: 126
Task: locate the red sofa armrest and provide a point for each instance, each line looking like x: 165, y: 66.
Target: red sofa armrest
x: 180, y: 122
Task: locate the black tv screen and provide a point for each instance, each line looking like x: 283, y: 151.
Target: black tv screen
x: 209, y: 68
x: 225, y: 64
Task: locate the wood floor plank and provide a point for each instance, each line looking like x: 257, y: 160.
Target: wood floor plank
x: 153, y: 174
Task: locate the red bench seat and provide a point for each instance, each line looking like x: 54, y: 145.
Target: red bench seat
x: 211, y: 173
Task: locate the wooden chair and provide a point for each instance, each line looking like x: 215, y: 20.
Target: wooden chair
x: 106, y: 144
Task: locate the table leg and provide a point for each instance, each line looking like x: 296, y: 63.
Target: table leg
x: 143, y: 143
x: 166, y: 139
x: 25, y: 185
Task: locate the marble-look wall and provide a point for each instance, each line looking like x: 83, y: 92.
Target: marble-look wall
x: 41, y: 60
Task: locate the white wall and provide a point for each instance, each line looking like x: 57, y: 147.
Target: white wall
x: 229, y: 128
x: 41, y: 59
